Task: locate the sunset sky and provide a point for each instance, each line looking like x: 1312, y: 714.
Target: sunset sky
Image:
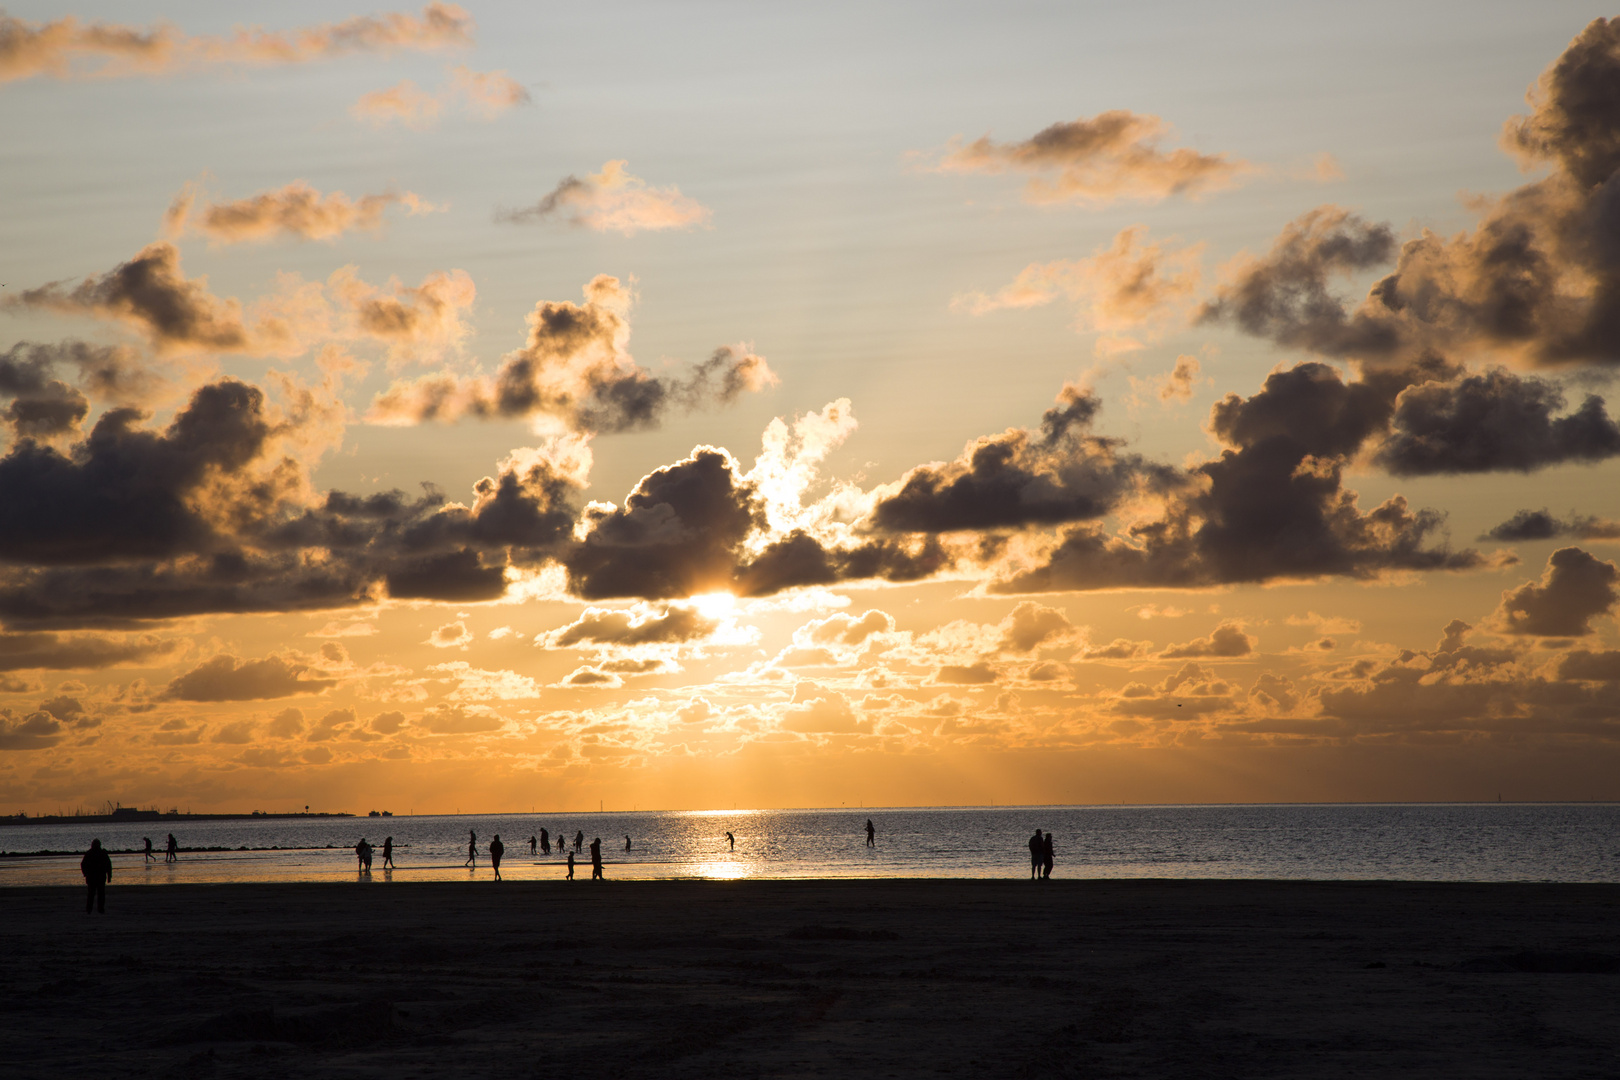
x: 688, y: 405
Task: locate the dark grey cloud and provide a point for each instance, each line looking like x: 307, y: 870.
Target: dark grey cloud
x: 151, y: 294
x: 1491, y: 422
x: 1272, y: 506
x: 1574, y: 589
x: 1540, y: 524
x: 1019, y: 478
x: 227, y: 678
x: 1537, y: 277
x: 1590, y: 666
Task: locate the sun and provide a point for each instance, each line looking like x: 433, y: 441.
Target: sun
x: 715, y: 605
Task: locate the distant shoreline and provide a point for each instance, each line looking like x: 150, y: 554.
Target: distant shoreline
x: 143, y: 817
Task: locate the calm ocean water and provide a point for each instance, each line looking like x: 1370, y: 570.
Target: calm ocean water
x: 1427, y: 842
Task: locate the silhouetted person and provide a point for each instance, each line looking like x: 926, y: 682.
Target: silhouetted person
x: 388, y: 853
x: 534, y: 845
x: 173, y: 852
x: 596, y: 860
x: 871, y: 834
x: 570, y: 876
x: 1047, y: 858
x: 362, y: 852
x: 545, y: 842
x: 627, y: 841
x: 496, y: 850
x: 579, y: 839
x: 149, y: 856
x: 96, y: 866
x: 472, y: 849
x: 732, y: 840
x: 1037, y: 854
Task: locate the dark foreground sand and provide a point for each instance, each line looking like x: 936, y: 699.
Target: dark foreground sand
x: 887, y: 978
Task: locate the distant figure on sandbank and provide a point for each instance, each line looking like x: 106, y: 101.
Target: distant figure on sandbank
x: 545, y: 842
x: 596, y: 860
x: 149, y: 856
x: 1037, y: 855
x: 388, y: 853
x: 496, y: 850
x: 472, y: 849
x: 173, y: 852
x: 579, y: 839
x: 627, y: 841
x: 570, y: 876
x: 871, y: 834
x: 362, y: 852
x: 732, y: 840
x: 96, y: 866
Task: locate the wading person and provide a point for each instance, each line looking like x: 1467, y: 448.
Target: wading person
x: 96, y: 866
x: 173, y: 852
x: 871, y: 834
x: 388, y: 853
x: 472, y: 849
x: 545, y: 842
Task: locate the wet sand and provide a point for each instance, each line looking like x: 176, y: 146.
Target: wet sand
x: 815, y: 978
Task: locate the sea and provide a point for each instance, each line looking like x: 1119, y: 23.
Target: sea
x: 1564, y: 842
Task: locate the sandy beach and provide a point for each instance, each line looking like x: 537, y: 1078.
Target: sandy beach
x: 879, y: 978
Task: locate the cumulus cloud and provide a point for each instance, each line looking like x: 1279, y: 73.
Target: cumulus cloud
x: 228, y: 678
x: 67, y: 48
x: 1177, y: 384
x: 62, y: 652
x: 1490, y: 422
x: 1574, y: 589
x: 575, y: 373
x: 1113, y: 155
x: 613, y: 201
x: 1030, y: 626
x: 1542, y: 525
x: 483, y: 94
x: 670, y: 624
x: 1536, y: 279
x: 1061, y: 473
x: 819, y: 711
x: 35, y: 731
x: 152, y: 295
x: 296, y: 211
x: 1118, y: 289
x: 1226, y: 641
x: 450, y: 636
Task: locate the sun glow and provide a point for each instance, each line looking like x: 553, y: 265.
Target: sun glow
x: 715, y: 605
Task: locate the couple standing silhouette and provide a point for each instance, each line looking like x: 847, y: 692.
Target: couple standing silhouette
x: 1040, y: 857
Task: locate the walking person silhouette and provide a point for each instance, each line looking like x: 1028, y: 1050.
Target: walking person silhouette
x: 871, y: 834
x: 149, y: 856
x: 496, y: 850
x: 534, y: 845
x: 579, y: 839
x: 570, y: 876
x: 472, y: 849
x: 1037, y: 855
x: 627, y: 841
x: 96, y: 866
x: 388, y: 853
x: 173, y: 852
x: 545, y: 842
x: 596, y: 860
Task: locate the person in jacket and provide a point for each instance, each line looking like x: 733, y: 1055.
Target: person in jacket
x: 96, y: 866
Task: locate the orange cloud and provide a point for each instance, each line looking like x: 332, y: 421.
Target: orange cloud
x: 614, y: 201
x: 1113, y: 155
x: 296, y: 210
x: 68, y: 49
x: 485, y: 94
